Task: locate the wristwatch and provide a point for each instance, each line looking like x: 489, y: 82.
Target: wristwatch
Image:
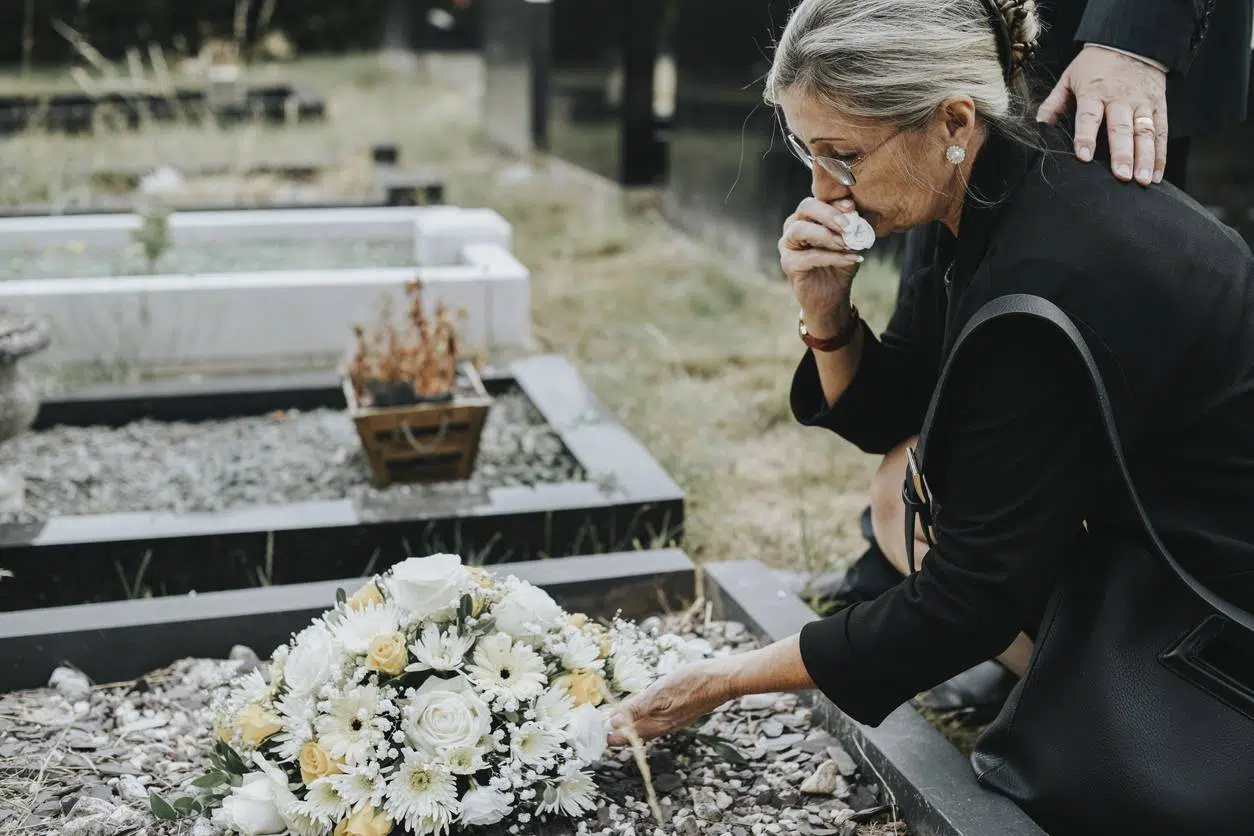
x: 841, y: 339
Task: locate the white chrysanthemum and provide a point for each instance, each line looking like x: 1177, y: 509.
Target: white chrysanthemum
x: 440, y: 651
x: 581, y: 652
x: 506, y: 672
x: 359, y: 786
x: 324, y: 802
x: 571, y: 795
x: 535, y: 744
x: 313, y: 661
x: 296, y: 712
x: 421, y: 795
x: 483, y: 806
x: 631, y: 675
x: 527, y: 611
x: 300, y: 820
x: 252, y: 687
x: 465, y: 760
x: 554, y: 707
x: 589, y: 730
x: 361, y: 626
x: 352, y: 727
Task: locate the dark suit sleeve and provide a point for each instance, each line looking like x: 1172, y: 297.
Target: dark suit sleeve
x: 885, y: 403
x: 1018, y: 448
x: 1166, y: 30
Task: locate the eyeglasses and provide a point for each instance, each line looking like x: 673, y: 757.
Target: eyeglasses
x: 838, y: 168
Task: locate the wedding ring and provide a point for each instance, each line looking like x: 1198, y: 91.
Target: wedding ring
x: 1138, y: 120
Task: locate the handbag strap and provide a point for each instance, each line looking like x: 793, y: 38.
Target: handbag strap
x: 1023, y: 303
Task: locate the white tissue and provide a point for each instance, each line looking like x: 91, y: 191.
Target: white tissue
x: 858, y: 234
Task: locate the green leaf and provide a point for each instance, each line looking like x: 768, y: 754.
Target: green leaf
x: 187, y: 806
x: 234, y: 764
x: 729, y: 753
x: 161, y: 808
x: 341, y: 597
x: 211, y: 780
x: 464, y: 608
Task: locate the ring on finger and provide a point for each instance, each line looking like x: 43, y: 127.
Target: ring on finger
x: 1144, y: 120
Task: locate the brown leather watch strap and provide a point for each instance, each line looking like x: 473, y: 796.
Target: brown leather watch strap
x: 841, y: 339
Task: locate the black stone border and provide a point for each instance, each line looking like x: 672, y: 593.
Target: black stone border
x: 931, y: 783
x: 627, y: 501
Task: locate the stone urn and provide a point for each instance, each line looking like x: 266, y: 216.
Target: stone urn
x: 20, y: 337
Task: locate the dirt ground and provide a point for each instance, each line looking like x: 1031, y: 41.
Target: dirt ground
x: 694, y: 354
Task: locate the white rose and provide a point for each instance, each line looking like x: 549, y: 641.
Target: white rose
x: 252, y: 808
x: 311, y: 660
x: 527, y: 611
x: 589, y: 729
x: 445, y: 714
x: 422, y: 586
x: 482, y: 806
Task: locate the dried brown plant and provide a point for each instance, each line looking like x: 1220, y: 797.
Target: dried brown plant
x: 423, y: 354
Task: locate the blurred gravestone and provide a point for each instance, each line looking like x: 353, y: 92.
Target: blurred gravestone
x: 516, y: 41
x: 732, y: 180
x: 602, y: 112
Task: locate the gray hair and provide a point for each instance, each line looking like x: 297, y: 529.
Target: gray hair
x: 897, y: 61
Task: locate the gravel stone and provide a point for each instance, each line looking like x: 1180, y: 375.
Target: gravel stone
x: 263, y: 460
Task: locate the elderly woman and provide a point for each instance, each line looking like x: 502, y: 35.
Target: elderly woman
x: 1135, y: 715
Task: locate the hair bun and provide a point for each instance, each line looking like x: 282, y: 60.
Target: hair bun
x: 1022, y: 28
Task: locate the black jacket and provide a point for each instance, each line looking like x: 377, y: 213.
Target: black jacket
x: 1205, y: 45
x: 1017, y: 461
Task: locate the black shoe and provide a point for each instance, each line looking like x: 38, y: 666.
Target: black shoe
x: 870, y: 576
x: 979, y: 692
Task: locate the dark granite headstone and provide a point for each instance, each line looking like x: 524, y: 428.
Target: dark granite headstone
x: 602, y: 115
x: 516, y: 42
x: 732, y: 180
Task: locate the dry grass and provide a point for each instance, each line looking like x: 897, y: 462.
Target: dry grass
x: 693, y: 353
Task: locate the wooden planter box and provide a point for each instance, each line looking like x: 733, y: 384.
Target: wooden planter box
x: 424, y: 442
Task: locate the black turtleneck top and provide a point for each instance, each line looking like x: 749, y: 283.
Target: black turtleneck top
x: 1017, y: 461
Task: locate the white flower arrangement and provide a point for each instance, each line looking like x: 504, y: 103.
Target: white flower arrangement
x: 437, y: 696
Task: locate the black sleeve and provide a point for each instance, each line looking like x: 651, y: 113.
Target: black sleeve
x: 885, y: 402
x: 1164, y: 30
x: 1018, y: 444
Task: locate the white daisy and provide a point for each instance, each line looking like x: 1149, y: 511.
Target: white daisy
x: 314, y: 660
x: 572, y: 795
x: 581, y: 652
x: 296, y: 711
x: 506, y: 672
x: 359, y: 627
x: 535, y: 744
x: 324, y: 802
x: 465, y: 760
x: 421, y: 795
x: 554, y: 707
x: 359, y: 786
x: 440, y: 651
x: 352, y: 727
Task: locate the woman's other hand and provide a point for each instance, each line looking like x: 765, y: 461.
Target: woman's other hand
x: 674, y: 702
x: 818, y: 265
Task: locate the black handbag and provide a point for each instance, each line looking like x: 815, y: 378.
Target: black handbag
x: 1136, y: 713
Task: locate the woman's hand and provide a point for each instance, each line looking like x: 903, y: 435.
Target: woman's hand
x: 673, y: 702
x: 819, y: 267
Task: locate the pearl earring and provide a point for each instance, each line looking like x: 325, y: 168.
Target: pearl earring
x: 955, y: 154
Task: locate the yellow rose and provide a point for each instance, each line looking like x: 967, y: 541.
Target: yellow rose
x: 605, y: 644
x: 367, y: 595
x: 387, y: 654
x: 365, y: 822
x: 479, y: 603
x: 221, y: 732
x: 315, y: 763
x: 578, y: 620
x: 585, y: 686
x: 256, y: 724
